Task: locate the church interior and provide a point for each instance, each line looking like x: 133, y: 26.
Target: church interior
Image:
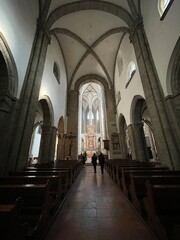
x: 85, y: 77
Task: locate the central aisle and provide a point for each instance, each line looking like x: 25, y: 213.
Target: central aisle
x: 96, y: 210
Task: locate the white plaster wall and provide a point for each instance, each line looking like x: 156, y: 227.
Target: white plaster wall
x: 162, y: 35
x: 50, y: 87
x: 18, y: 24
x: 135, y: 86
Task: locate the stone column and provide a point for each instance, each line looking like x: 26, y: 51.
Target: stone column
x: 131, y: 142
x: 123, y: 144
x: 138, y: 143
x: 111, y: 119
x: 47, y: 145
x: 167, y: 146
x: 60, y: 147
x: 72, y: 124
x: 28, y: 100
x: 8, y: 108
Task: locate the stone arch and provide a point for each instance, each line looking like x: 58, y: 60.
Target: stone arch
x: 48, y: 135
x: 48, y: 113
x: 93, y: 78
x: 123, y: 138
x: 8, y: 70
x: 137, y: 108
x: 8, y: 99
x: 173, y: 72
x: 91, y: 132
x: 61, y: 125
x: 173, y: 89
x: 142, y: 133
x: 136, y: 131
x: 90, y: 5
x: 109, y: 109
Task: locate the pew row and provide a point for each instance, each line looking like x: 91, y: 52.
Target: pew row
x: 126, y: 173
x: 138, y: 190
x: 35, y: 208
x: 58, y: 175
x: 11, y: 225
x: 56, y: 192
x: 163, y: 210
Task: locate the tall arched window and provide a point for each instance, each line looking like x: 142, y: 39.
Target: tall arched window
x: 56, y: 72
x: 163, y: 6
x: 131, y: 69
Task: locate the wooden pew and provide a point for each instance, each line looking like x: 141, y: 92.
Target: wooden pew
x: 163, y: 210
x: 110, y: 165
x: 120, y: 170
x: 125, y: 179
x: 76, y: 165
x: 36, y: 204
x: 138, y: 190
x: 68, y: 169
x: 11, y: 226
x: 61, y: 174
x: 55, y: 189
x: 113, y: 165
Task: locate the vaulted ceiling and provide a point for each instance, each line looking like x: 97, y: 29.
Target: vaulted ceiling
x: 89, y: 34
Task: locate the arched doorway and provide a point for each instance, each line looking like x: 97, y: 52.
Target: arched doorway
x: 92, y: 115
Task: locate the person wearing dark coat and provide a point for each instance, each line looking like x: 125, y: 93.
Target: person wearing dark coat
x: 94, y: 161
x: 101, y: 161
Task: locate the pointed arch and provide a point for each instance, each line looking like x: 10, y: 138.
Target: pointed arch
x: 137, y: 108
x: 48, y: 113
x: 8, y: 71
x: 90, y: 5
x: 61, y: 125
x: 90, y: 77
x: 173, y: 72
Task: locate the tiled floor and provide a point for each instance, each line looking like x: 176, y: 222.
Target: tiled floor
x: 95, y: 209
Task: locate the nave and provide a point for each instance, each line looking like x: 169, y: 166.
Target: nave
x: 96, y: 209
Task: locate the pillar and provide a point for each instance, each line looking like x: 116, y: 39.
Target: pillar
x: 138, y: 143
x: 111, y: 121
x: 29, y: 99
x: 123, y: 144
x: 72, y: 123
x: 167, y: 147
x: 47, y: 145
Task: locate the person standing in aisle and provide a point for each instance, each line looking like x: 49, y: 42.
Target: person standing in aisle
x: 94, y: 161
x: 101, y: 162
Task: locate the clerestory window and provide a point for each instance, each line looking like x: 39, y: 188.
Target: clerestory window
x: 163, y: 7
x: 131, y: 70
x: 56, y: 72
